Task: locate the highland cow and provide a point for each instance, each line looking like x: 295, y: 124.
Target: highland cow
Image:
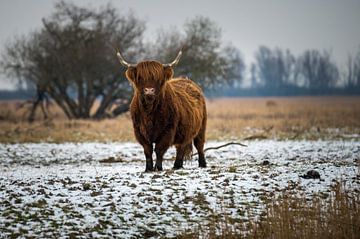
x: 166, y: 111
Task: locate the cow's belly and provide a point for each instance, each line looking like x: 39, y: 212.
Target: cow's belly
x: 185, y: 133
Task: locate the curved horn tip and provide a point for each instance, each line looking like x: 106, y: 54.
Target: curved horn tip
x: 176, y: 61
x: 178, y: 55
x: 122, y: 60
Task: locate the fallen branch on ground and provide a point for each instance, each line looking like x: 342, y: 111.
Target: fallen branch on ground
x: 221, y: 146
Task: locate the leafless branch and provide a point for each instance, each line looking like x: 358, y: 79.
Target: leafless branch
x: 221, y: 146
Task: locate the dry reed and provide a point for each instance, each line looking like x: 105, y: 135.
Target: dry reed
x: 294, y: 215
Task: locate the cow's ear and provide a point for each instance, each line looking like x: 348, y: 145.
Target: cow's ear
x: 168, y: 72
x: 131, y: 73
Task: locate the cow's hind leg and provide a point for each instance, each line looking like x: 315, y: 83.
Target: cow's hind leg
x: 199, y: 141
x: 182, y: 151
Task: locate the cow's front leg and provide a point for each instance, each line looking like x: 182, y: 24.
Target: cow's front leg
x: 161, y: 147
x: 148, y: 148
x: 148, y: 151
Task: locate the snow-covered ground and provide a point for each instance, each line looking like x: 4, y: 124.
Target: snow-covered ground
x: 59, y: 190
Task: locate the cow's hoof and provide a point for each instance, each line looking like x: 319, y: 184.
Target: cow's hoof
x: 158, y: 169
x: 178, y: 164
x: 202, y: 165
x: 177, y: 167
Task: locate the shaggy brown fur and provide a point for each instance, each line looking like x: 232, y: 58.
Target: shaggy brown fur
x: 174, y: 115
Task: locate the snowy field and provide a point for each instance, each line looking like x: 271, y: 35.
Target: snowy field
x: 101, y: 190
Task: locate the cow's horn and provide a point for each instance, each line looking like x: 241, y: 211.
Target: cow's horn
x: 176, y: 61
x: 122, y: 60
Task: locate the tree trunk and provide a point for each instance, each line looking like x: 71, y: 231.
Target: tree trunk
x: 59, y: 100
x: 120, y: 109
x: 104, y: 104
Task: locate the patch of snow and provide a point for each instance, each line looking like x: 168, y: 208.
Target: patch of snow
x: 54, y: 190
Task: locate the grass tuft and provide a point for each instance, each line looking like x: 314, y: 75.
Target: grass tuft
x: 292, y: 215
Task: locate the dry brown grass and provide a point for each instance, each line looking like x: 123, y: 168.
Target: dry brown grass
x: 237, y: 118
x: 294, y: 215
x: 293, y: 117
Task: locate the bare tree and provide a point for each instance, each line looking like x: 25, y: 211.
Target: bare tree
x: 253, y: 75
x: 205, y: 59
x: 318, y: 70
x: 275, y: 68
x: 71, y: 59
x: 41, y: 100
x: 352, y: 74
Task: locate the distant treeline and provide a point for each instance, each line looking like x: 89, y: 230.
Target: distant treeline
x: 314, y: 72
x: 284, y: 91
x: 16, y: 94
x: 275, y: 72
x: 223, y: 92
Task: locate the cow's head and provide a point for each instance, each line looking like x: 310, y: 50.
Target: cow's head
x: 148, y: 77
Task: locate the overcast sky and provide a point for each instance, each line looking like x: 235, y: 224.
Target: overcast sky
x: 297, y: 25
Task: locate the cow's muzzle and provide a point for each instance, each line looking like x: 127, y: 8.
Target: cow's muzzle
x: 149, y: 91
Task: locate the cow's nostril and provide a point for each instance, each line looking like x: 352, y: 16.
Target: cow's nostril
x: 149, y: 91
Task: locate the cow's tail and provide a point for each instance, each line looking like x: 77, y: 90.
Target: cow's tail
x: 188, y: 152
